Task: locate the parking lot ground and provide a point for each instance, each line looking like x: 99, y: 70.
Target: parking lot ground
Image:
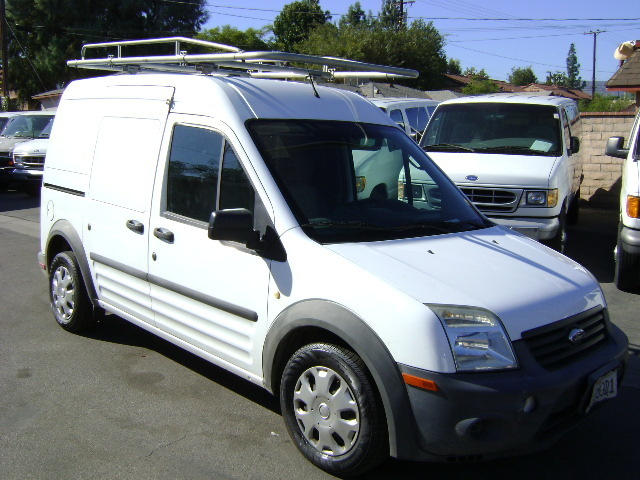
x: 119, y: 403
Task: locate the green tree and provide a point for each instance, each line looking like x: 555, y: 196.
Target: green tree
x: 606, y: 103
x: 419, y: 47
x: 522, y: 76
x: 249, y: 39
x: 454, y: 67
x: 356, y: 17
x: 44, y: 34
x: 390, y: 15
x: 480, y: 86
x: 573, y: 70
x: 556, y: 78
x: 473, y: 72
x: 296, y: 21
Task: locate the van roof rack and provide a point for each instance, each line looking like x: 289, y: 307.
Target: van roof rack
x: 232, y: 61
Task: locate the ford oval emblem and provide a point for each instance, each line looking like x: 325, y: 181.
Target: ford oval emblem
x: 576, y: 335
x: 471, y: 178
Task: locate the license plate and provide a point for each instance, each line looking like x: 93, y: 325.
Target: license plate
x: 605, y: 387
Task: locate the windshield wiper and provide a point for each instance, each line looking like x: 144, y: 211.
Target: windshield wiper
x: 349, y: 224
x: 513, y: 149
x: 447, y: 226
x: 447, y: 146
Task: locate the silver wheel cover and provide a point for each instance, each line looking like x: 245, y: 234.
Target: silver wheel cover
x: 62, y: 293
x: 326, y: 411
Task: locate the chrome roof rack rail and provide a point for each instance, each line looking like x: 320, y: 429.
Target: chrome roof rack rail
x: 232, y: 61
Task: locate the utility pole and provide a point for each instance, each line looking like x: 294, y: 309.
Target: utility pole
x: 402, y: 21
x: 5, y: 56
x: 593, y: 77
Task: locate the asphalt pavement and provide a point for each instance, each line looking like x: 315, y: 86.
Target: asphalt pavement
x: 120, y: 403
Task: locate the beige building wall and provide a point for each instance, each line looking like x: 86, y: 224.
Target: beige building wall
x: 602, y: 174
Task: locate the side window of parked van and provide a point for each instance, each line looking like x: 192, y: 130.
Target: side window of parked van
x: 192, y: 182
x: 567, y: 131
x: 396, y: 116
x: 235, y: 189
x: 418, y: 118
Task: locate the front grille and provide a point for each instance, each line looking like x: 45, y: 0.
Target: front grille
x: 550, y: 344
x: 493, y: 199
x: 31, y: 161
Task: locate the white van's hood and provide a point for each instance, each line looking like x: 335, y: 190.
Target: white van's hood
x: 518, y: 279
x: 495, y: 169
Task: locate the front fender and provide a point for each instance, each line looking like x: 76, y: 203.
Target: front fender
x: 343, y: 323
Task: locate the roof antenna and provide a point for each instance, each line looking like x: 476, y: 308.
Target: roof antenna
x: 315, y: 91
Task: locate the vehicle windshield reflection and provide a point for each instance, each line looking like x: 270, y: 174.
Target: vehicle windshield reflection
x: 351, y: 182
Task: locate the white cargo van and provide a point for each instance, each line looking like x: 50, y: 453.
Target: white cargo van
x: 410, y: 114
x: 515, y: 157
x: 236, y: 217
x: 627, y: 251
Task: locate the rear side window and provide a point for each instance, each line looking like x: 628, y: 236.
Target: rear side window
x: 418, y: 118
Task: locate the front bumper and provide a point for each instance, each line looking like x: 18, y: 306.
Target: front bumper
x: 630, y: 240
x: 25, y: 175
x: 536, y: 228
x: 475, y: 416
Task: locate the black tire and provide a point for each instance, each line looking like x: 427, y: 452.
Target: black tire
x: 69, y: 301
x: 559, y: 242
x: 627, y: 271
x: 573, y: 214
x: 333, y: 411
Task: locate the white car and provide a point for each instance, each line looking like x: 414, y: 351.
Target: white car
x: 515, y: 157
x: 627, y: 252
x: 239, y: 219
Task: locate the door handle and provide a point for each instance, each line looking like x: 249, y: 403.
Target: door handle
x: 135, y: 226
x: 163, y: 234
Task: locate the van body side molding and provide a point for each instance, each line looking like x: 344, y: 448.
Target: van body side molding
x: 58, y: 188
x: 134, y: 272
x: 174, y: 287
x: 206, y: 299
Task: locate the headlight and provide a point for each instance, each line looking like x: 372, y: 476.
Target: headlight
x: 542, y: 198
x: 477, y: 338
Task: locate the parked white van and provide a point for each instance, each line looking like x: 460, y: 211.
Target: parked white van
x: 627, y: 251
x: 225, y: 215
x: 515, y: 157
x: 410, y: 114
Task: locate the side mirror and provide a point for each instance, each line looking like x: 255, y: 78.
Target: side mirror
x: 615, y: 148
x: 575, y: 145
x: 234, y: 224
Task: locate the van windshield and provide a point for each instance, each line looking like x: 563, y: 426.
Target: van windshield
x: 26, y: 126
x: 506, y: 128
x: 351, y: 182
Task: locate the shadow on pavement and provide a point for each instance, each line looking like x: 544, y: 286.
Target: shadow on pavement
x: 117, y: 330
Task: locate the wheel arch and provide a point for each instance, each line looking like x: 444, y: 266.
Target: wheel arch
x: 62, y: 237
x: 313, y: 321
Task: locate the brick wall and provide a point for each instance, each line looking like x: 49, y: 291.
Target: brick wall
x: 602, y: 174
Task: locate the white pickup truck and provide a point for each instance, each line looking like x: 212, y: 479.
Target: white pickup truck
x: 515, y: 157
x: 627, y: 252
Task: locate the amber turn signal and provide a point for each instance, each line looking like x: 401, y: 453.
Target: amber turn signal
x: 420, y: 382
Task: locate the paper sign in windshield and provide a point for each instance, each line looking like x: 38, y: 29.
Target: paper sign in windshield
x: 541, y: 146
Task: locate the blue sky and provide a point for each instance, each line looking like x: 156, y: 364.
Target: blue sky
x: 492, y: 34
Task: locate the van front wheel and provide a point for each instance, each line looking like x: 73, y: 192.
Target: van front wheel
x: 333, y: 411
x: 69, y: 300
